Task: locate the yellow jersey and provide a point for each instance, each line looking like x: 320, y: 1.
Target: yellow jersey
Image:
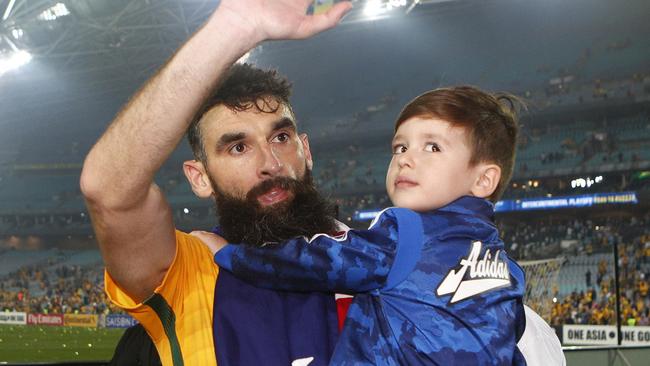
x: 178, y: 316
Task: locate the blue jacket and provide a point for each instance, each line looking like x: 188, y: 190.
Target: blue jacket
x: 434, y: 288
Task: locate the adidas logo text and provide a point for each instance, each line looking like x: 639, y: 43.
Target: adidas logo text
x: 485, y: 274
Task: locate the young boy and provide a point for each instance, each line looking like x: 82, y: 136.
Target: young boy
x: 432, y: 280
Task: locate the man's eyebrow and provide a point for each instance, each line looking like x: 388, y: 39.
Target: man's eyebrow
x: 285, y: 122
x: 228, y: 138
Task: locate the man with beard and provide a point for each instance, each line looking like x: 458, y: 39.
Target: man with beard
x: 251, y: 159
x: 277, y: 327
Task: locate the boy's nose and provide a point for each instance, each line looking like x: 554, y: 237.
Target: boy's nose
x: 405, y: 160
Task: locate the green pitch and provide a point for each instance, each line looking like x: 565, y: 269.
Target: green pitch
x: 19, y: 343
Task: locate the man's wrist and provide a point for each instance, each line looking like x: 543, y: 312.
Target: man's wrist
x: 243, y: 35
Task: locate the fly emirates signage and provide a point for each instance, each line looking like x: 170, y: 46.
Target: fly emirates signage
x: 45, y: 319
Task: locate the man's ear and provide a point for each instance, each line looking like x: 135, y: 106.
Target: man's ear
x: 487, y: 180
x: 197, y: 176
x: 305, y: 146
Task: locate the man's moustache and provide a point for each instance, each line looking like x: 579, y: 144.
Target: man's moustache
x: 284, y: 183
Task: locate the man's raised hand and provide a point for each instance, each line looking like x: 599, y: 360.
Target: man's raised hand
x: 279, y: 19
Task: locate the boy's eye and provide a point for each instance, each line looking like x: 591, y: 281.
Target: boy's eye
x: 238, y: 148
x: 282, y: 137
x: 432, y: 147
x: 399, y: 149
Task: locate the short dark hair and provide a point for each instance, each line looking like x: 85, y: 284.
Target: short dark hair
x: 490, y: 121
x: 243, y: 87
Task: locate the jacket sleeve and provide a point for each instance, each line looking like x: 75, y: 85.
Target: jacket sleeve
x: 358, y: 261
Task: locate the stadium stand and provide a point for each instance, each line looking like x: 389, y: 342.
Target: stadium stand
x: 53, y: 282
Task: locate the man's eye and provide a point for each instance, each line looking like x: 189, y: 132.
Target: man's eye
x: 283, y: 137
x: 238, y: 148
x: 398, y: 149
x: 432, y: 147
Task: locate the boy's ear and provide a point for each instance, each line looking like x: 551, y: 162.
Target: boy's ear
x: 487, y: 181
x: 198, y: 178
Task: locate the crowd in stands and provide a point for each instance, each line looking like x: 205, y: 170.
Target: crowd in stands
x: 583, y: 144
x: 63, y: 289
x: 568, y: 90
x: 597, y: 305
x: 582, y: 242
x: 553, y: 237
x: 594, y: 142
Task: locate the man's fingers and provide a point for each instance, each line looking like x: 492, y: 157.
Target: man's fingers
x: 213, y: 241
x: 318, y: 23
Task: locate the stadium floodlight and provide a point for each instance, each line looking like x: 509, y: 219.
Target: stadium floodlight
x: 17, y: 33
x: 374, y: 8
x: 10, y: 7
x: 56, y: 11
x: 395, y: 4
x: 14, y: 60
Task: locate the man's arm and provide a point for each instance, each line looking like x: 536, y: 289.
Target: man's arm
x: 539, y: 344
x: 131, y: 218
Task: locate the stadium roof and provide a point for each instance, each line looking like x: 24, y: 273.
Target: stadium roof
x: 89, y: 56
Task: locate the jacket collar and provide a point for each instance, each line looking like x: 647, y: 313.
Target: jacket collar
x: 468, y: 205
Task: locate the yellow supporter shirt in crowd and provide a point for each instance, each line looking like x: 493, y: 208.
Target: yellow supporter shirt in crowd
x: 178, y: 316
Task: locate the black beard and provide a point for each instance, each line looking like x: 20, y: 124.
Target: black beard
x: 245, y: 221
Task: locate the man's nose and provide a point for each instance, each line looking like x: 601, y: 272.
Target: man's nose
x: 271, y: 164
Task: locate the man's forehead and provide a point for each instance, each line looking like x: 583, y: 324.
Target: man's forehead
x: 221, y: 119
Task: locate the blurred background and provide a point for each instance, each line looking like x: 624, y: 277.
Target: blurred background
x: 576, y: 214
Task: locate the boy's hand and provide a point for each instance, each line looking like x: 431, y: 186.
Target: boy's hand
x: 278, y: 19
x: 213, y: 241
